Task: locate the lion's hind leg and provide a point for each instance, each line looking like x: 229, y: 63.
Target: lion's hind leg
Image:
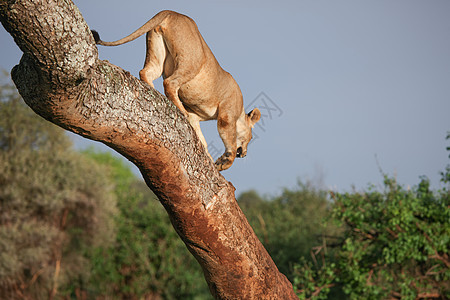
x: 155, y: 57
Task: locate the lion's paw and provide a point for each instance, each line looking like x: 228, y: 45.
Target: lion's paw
x: 225, y: 161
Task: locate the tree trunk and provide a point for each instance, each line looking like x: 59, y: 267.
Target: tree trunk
x: 61, y: 78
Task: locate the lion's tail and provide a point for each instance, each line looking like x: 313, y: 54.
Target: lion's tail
x: 152, y: 23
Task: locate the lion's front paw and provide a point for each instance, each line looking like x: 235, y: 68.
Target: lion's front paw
x: 225, y: 161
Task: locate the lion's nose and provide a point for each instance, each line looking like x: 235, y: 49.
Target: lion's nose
x: 239, y: 152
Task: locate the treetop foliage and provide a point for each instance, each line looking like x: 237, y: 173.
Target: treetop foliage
x: 54, y: 203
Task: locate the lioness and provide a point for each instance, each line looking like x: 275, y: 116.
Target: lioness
x: 194, y: 81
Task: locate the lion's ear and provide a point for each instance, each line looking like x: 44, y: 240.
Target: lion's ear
x: 254, y: 116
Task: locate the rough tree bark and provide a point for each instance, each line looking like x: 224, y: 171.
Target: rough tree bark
x: 61, y: 78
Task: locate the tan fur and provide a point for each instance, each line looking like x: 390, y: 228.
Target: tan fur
x: 194, y: 81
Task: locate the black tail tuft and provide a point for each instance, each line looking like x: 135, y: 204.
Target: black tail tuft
x: 96, y: 36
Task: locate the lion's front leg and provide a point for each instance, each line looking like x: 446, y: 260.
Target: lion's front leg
x: 227, y: 131
x: 194, y: 120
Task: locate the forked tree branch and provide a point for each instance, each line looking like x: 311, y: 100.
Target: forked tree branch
x: 61, y: 78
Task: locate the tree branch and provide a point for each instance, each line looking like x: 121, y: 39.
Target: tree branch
x: 61, y: 78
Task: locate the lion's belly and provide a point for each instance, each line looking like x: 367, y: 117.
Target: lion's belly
x: 198, y: 96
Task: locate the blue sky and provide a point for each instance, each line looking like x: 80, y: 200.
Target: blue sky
x: 348, y: 86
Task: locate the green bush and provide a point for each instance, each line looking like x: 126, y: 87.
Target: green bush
x: 395, y: 245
